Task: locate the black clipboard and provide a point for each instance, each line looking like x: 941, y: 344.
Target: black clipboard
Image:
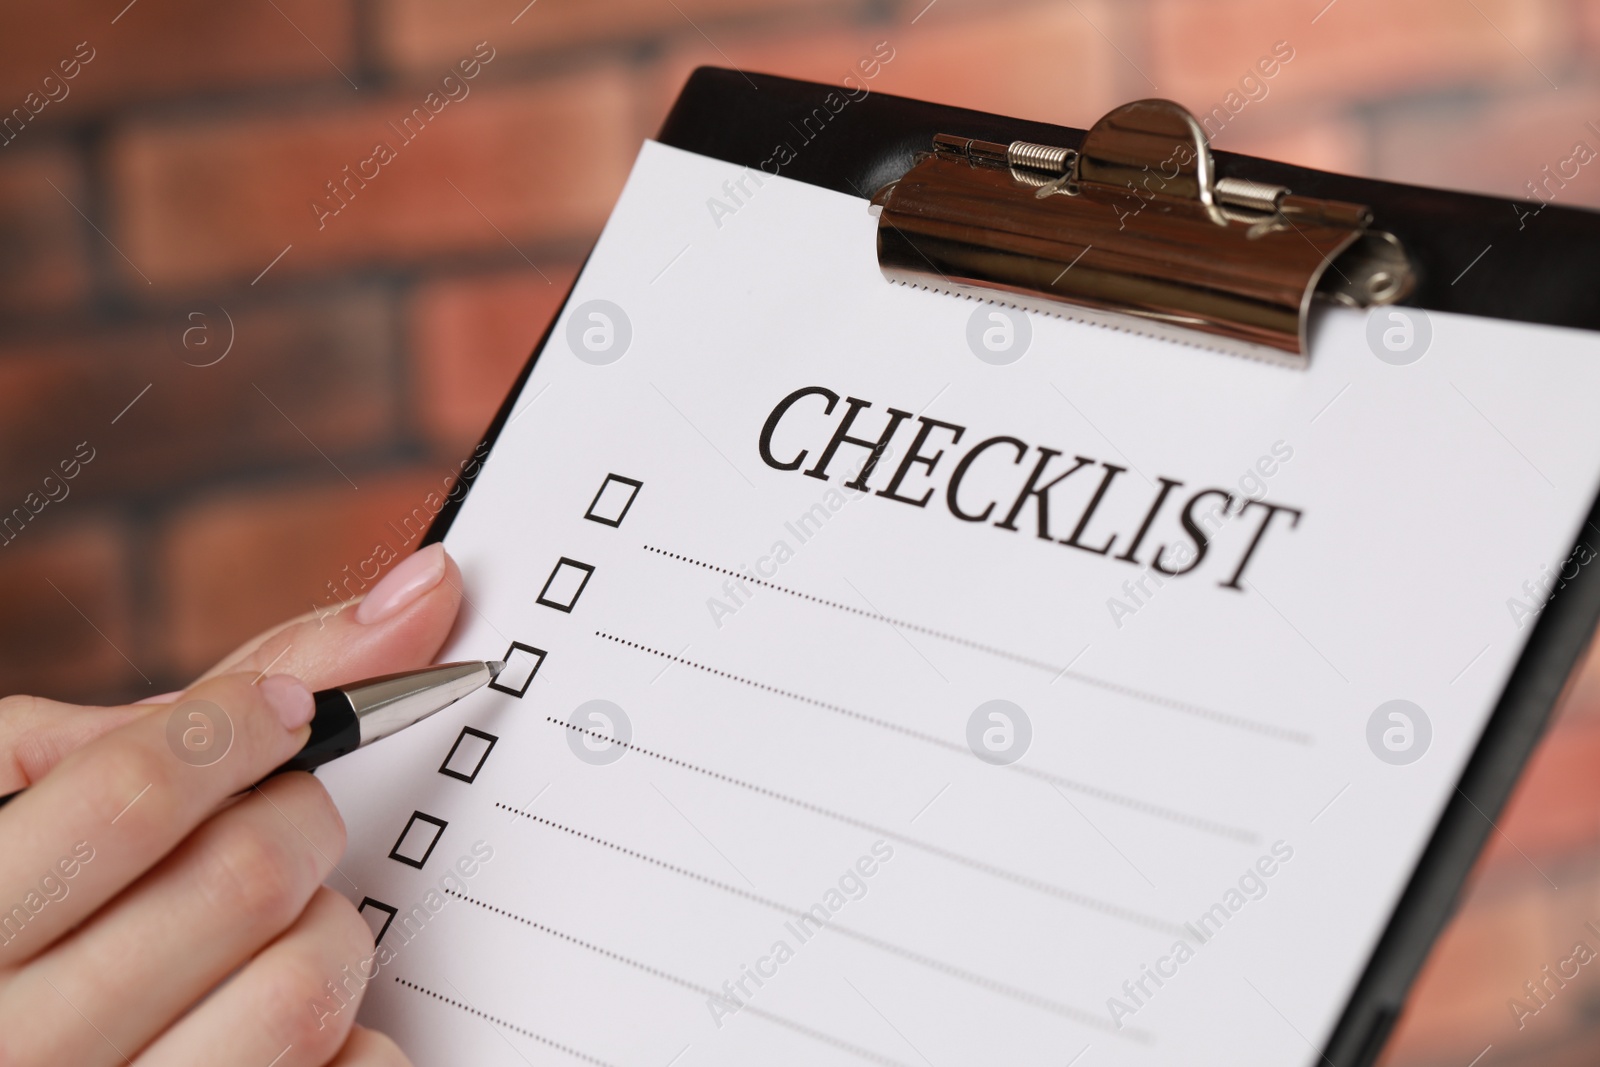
x: 1473, y: 255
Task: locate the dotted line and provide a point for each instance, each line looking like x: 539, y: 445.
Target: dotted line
x: 607, y: 953
x: 647, y: 859
x: 994, y: 986
x: 801, y: 697
x: 656, y: 972
x: 1281, y: 733
x: 497, y: 1021
x: 1048, y: 889
x: 853, y: 610
x: 1145, y: 807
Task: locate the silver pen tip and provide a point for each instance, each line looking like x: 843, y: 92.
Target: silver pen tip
x: 495, y: 667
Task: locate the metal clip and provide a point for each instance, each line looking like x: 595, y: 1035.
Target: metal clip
x: 1135, y: 229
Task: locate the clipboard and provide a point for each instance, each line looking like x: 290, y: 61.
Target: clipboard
x: 1464, y: 254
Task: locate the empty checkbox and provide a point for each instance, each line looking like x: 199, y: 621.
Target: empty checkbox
x: 468, y: 755
x: 378, y: 915
x: 612, y: 502
x: 565, y: 584
x: 416, y: 841
x: 522, y: 662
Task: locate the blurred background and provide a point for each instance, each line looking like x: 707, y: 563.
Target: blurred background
x: 268, y: 389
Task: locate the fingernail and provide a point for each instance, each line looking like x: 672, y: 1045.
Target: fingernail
x: 417, y: 574
x: 289, y: 699
x: 164, y: 698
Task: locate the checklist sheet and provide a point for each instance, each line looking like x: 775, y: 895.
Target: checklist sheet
x: 900, y: 679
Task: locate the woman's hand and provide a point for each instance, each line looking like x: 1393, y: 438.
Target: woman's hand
x: 147, y: 915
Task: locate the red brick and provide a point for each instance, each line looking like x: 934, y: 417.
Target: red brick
x: 1512, y: 921
x: 1589, y: 25
x: 541, y: 162
x: 1333, y: 144
x: 1581, y: 700
x: 50, y: 648
x: 243, y: 560
x: 471, y: 337
x: 1555, y: 810
x: 43, y: 264
x: 326, y: 365
x: 160, y: 47
x: 1057, y: 67
x: 1358, y: 50
x: 1497, y: 147
x: 1494, y: 943
x: 419, y: 34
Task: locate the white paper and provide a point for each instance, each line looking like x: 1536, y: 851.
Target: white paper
x: 789, y: 736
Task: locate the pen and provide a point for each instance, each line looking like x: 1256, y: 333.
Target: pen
x: 352, y: 716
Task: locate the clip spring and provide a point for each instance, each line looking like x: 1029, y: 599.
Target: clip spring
x: 1042, y: 165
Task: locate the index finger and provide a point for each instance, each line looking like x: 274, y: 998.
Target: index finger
x: 111, y: 810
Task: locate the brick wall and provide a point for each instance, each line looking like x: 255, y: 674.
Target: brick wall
x: 261, y: 387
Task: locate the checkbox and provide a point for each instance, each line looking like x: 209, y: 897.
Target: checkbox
x: 612, y: 502
x: 416, y: 841
x: 378, y: 915
x: 565, y: 584
x: 468, y: 754
x: 522, y: 662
